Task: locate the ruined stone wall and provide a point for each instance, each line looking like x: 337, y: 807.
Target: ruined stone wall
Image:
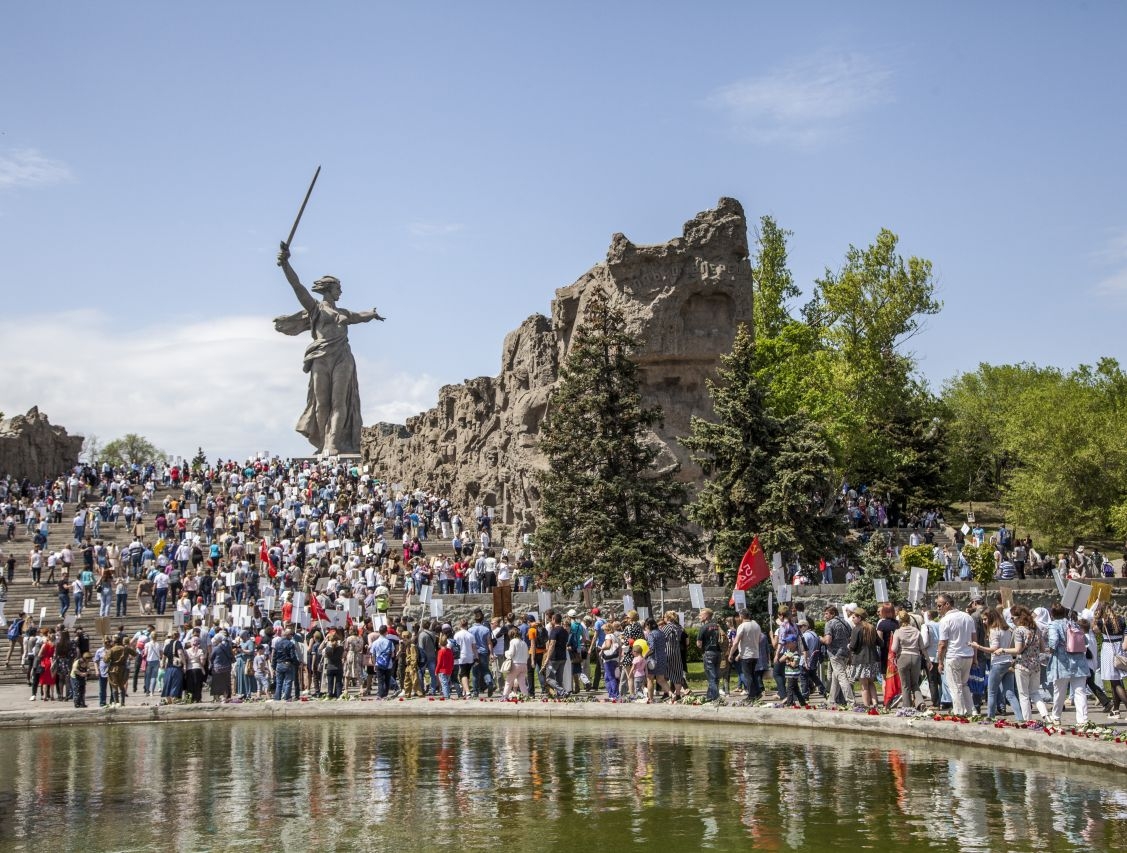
x: 683, y: 300
x: 30, y: 447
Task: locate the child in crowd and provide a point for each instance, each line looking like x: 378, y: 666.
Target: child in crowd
x: 791, y: 660
x: 261, y: 669
x: 444, y: 664
x: 638, y: 670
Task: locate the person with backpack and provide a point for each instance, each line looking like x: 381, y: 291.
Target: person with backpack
x: 1068, y: 664
x: 811, y: 645
x: 15, y: 637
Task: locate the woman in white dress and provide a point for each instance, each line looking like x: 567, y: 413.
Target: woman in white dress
x: 1109, y: 625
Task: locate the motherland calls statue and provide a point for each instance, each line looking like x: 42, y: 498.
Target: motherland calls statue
x: 331, y: 420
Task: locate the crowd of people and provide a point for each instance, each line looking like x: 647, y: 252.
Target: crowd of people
x: 278, y: 579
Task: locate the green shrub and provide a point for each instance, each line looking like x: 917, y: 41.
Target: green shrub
x: 913, y: 556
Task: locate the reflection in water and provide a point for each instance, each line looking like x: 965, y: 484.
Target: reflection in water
x: 328, y: 785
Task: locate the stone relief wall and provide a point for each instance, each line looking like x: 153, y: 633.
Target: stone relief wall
x: 683, y: 300
x: 30, y: 447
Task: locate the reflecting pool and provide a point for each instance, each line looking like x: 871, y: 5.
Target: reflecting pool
x: 426, y: 784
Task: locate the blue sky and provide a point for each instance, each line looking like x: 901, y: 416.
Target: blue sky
x: 477, y: 156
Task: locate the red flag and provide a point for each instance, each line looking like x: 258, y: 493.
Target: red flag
x: 753, y: 567
x: 316, y: 611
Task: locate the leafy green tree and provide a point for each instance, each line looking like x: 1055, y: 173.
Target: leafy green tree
x: 878, y: 564
x: 132, y: 449
x: 767, y: 475
x: 888, y: 435
x: 841, y: 364
x: 981, y: 562
x: 1048, y: 444
x: 604, y: 509
x: 921, y: 556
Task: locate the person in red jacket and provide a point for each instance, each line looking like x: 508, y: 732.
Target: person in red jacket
x: 444, y: 664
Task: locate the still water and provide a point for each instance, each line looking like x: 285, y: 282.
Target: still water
x: 404, y: 785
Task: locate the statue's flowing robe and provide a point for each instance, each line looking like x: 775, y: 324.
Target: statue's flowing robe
x: 328, y: 361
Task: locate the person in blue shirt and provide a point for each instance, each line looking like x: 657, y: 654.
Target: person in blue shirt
x: 483, y: 641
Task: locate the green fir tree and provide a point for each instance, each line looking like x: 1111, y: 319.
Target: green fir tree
x: 768, y: 475
x: 605, y: 510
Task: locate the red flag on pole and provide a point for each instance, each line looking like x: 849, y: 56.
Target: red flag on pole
x: 316, y: 611
x: 753, y: 567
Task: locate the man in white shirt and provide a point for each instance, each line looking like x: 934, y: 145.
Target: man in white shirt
x: 955, y: 654
x: 745, y: 653
x: 467, y: 654
x: 160, y: 596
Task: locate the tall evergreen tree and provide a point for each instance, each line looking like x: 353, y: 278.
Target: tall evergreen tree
x: 604, y: 509
x: 768, y: 475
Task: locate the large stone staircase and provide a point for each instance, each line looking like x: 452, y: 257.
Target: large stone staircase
x: 21, y: 587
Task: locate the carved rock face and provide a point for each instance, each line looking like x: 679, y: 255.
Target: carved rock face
x: 683, y: 300
x: 30, y: 447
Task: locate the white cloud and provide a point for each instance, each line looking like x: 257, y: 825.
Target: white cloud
x: 233, y: 385
x: 1113, y: 256
x: 804, y: 101
x: 26, y: 167
x: 425, y: 230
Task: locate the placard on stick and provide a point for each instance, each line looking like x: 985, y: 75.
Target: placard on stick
x: 101, y: 626
x: 627, y: 603
x: 696, y: 596
x: 880, y: 590
x: 1007, y: 596
x: 740, y: 599
x: 917, y: 583
x: 436, y: 608
x: 29, y: 606
x: 544, y: 600
x: 643, y: 613
x: 1059, y: 582
x: 786, y: 593
x: 1076, y: 595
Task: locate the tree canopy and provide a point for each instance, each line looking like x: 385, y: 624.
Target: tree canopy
x: 605, y: 510
x: 131, y: 449
x: 767, y: 475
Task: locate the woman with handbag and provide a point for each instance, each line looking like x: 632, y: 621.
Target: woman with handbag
x: 1002, y: 683
x: 1113, y: 654
x: 1068, y: 665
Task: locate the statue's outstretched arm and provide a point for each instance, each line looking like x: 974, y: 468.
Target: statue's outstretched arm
x: 363, y: 316
x: 303, y: 296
